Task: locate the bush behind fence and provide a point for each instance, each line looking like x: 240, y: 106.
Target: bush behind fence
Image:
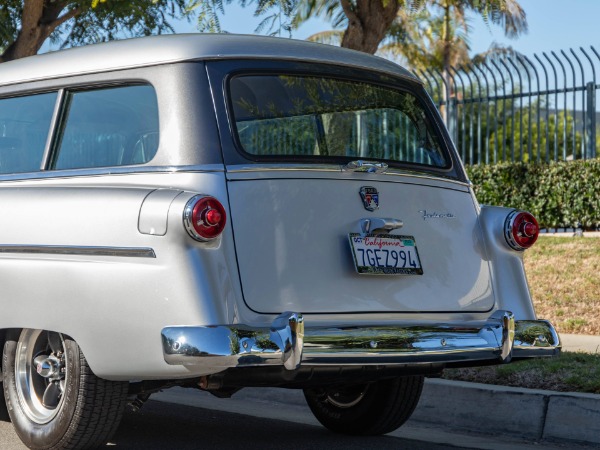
x: 559, y: 194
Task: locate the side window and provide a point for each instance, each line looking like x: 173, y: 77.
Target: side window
x: 24, y: 126
x: 107, y: 127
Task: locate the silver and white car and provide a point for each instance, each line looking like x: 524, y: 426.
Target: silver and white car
x: 220, y: 211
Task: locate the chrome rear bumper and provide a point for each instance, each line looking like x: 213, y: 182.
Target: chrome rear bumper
x: 288, y: 343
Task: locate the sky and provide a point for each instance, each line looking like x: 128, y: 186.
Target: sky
x: 553, y: 25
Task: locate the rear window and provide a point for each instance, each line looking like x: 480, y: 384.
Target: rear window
x: 291, y: 116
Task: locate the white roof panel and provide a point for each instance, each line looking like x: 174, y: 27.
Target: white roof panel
x: 165, y: 49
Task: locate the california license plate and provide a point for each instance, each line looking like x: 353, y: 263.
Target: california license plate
x: 386, y: 254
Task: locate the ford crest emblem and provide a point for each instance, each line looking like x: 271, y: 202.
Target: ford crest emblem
x: 370, y: 197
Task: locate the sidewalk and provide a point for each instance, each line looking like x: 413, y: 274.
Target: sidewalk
x: 580, y: 343
x: 571, y: 233
x: 535, y: 414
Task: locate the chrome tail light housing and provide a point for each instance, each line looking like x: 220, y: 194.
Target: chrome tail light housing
x: 521, y: 230
x: 204, y: 218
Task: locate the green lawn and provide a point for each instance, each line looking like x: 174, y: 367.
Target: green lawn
x: 564, y: 278
x: 569, y: 372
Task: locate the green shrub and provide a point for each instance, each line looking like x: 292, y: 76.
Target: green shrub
x: 559, y: 194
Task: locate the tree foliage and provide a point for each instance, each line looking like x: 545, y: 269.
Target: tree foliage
x: 277, y: 15
x: 365, y: 23
x: 27, y: 24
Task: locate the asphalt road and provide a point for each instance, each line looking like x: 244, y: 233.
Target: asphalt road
x: 263, y: 418
x: 169, y: 426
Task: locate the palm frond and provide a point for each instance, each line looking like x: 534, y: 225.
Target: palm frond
x: 330, y: 37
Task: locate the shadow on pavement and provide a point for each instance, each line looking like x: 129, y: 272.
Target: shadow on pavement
x: 165, y: 426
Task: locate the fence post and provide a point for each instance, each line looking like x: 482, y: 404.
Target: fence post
x: 590, y: 126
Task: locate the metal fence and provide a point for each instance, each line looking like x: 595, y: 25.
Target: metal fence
x: 511, y: 107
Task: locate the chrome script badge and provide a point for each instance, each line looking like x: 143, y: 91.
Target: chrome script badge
x: 370, y: 197
x: 436, y: 215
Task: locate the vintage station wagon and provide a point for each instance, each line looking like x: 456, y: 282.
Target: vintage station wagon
x: 220, y: 211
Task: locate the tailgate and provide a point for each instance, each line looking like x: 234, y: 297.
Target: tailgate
x: 293, y: 250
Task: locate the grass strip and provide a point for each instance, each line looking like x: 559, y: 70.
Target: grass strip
x: 564, y: 278
x: 569, y: 372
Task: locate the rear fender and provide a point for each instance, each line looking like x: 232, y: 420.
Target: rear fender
x: 506, y: 265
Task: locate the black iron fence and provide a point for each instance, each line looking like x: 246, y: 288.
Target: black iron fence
x: 511, y: 107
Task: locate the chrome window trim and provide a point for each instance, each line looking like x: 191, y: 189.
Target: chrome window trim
x: 128, y: 252
x: 114, y: 170
x: 337, y: 168
x: 53, y: 128
x: 282, y: 167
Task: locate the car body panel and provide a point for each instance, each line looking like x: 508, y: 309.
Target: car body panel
x: 292, y: 243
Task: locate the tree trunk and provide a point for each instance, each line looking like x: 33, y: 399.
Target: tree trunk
x: 368, y: 23
x: 40, y: 18
x: 446, y: 63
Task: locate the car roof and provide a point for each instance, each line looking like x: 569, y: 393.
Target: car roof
x: 166, y: 49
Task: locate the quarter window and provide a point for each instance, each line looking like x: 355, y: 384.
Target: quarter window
x: 108, y: 127
x: 24, y: 126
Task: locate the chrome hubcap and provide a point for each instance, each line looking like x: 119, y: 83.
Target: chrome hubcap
x: 41, y: 374
x: 347, y: 397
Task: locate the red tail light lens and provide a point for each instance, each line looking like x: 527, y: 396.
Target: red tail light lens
x: 521, y: 230
x: 204, y: 218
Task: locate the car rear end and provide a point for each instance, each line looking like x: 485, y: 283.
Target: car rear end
x: 282, y: 213
x: 361, y: 250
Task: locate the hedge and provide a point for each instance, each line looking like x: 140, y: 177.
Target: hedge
x: 559, y: 194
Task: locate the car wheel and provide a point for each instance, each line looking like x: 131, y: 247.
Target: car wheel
x: 53, y: 398
x: 366, y: 409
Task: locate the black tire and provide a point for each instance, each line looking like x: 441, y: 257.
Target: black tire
x: 85, y: 410
x: 367, y: 409
x: 4, y: 417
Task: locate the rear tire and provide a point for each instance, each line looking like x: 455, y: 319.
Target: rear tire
x: 56, y: 402
x: 368, y: 409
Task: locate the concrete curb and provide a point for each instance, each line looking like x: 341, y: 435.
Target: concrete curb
x: 535, y: 414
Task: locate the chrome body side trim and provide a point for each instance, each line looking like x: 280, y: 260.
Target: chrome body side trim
x: 130, y: 252
x: 119, y: 170
x: 499, y: 339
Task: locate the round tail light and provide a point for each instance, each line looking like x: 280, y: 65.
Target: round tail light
x: 521, y: 230
x: 204, y: 217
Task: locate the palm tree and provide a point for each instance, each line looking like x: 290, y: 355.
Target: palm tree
x: 446, y: 32
x: 423, y: 33
x: 447, y: 29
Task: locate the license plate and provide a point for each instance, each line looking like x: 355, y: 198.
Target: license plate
x: 386, y: 254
